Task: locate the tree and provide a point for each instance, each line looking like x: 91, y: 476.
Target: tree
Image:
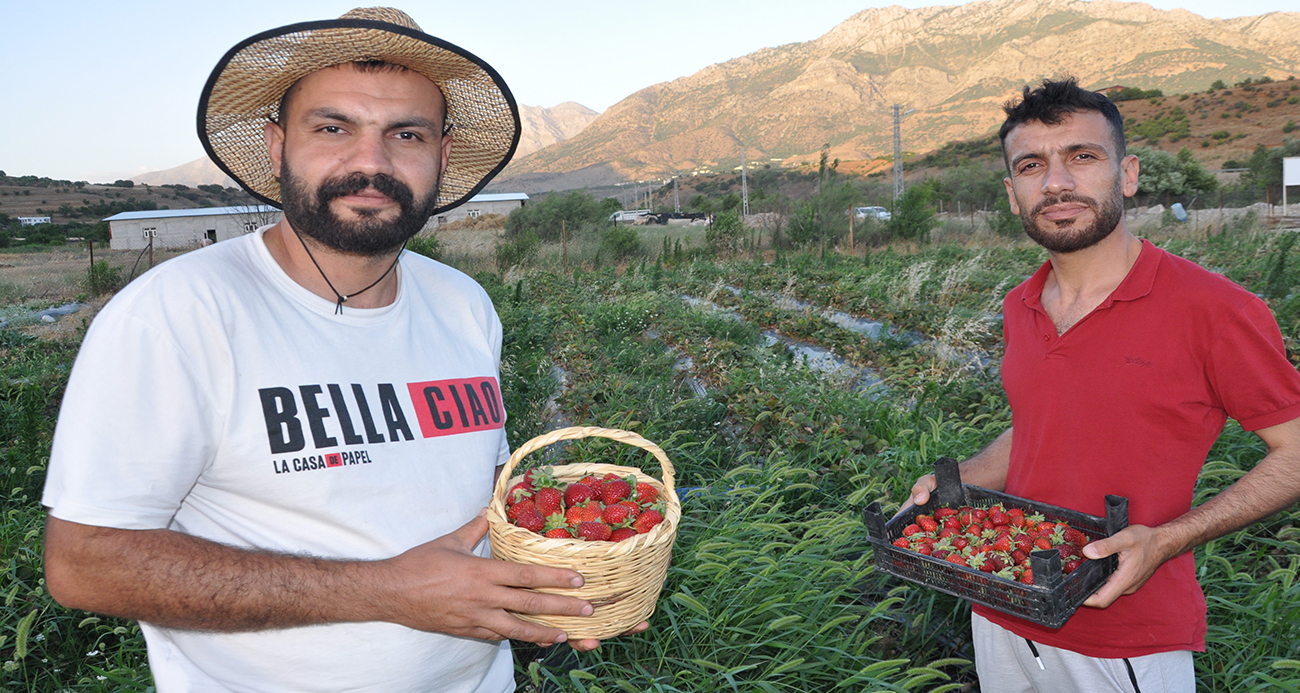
x: 725, y: 233
x: 1162, y: 173
x: 578, y: 209
x: 1265, y: 174
x: 913, y: 216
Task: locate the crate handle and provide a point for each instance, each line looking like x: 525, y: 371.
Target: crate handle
x: 949, y: 491
x: 875, y: 520
x: 1116, y: 514
x: 1046, y: 564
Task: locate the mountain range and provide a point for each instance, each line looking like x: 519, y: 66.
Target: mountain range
x: 539, y: 127
x: 951, y: 67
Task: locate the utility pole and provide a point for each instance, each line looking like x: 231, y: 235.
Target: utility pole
x: 677, y: 203
x: 564, y: 243
x: 744, y: 185
x: 898, y: 156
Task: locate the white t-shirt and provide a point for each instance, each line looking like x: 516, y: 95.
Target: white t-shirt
x: 215, y: 396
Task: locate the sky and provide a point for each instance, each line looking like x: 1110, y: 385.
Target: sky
x: 104, y: 90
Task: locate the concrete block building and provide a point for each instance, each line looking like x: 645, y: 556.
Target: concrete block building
x: 483, y: 203
x: 186, y: 228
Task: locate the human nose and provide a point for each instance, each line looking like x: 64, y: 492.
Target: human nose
x: 1058, y: 179
x: 369, y: 155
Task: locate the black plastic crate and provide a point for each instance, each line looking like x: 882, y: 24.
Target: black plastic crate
x: 1053, y: 597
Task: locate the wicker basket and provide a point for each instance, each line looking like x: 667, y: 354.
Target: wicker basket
x: 622, y: 579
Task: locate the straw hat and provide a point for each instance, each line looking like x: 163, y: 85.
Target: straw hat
x: 244, y: 91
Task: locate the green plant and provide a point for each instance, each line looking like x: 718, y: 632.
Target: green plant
x: 1289, y: 127
x: 103, y: 278
x: 725, y: 232
x: 913, y: 217
x: 621, y: 242
x: 426, y: 245
x: 517, y: 251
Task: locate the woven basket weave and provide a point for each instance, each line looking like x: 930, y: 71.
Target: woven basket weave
x: 621, y: 579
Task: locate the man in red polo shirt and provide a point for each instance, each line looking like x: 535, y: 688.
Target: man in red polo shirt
x: 1122, y: 364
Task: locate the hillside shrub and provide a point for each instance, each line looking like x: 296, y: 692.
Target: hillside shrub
x: 577, y: 209
x: 1162, y: 173
x: 1003, y: 221
x: 724, y: 234
x: 103, y: 278
x: 913, y: 217
x: 621, y: 242
x: 426, y: 245
x: 517, y: 251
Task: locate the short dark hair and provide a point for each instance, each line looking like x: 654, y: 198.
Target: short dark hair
x: 361, y: 66
x: 1051, y: 102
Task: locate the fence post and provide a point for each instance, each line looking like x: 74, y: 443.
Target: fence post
x: 564, y: 243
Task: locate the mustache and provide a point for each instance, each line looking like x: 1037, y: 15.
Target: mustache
x: 356, y: 182
x: 1058, y: 199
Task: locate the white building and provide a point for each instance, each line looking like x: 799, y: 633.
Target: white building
x: 483, y: 203
x: 186, y: 228
x: 33, y: 221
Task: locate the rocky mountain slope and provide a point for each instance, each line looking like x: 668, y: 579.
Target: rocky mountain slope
x: 546, y: 126
x: 540, y: 127
x: 953, y: 65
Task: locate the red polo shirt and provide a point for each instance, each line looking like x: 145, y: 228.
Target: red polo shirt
x: 1128, y: 401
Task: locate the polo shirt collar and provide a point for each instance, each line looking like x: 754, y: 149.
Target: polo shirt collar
x: 1141, y: 277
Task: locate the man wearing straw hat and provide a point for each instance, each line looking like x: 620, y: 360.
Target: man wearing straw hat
x: 273, y: 452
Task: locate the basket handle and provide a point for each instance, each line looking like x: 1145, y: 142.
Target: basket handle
x: 577, y: 432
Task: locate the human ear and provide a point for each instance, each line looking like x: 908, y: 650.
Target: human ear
x: 273, y: 134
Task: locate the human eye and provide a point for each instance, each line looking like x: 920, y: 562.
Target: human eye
x: 409, y: 136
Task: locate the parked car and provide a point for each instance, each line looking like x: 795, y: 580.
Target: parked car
x: 878, y: 212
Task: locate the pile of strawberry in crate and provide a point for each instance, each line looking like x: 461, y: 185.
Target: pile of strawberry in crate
x: 995, y: 540
x: 608, y: 508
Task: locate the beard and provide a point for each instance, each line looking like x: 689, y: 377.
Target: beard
x: 1067, y: 236
x: 368, y: 236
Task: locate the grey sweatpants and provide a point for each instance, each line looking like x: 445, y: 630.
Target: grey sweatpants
x: 1006, y: 664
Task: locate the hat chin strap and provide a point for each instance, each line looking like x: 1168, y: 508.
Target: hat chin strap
x: 338, y: 306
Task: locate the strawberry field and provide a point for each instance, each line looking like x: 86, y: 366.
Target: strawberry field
x: 789, y: 393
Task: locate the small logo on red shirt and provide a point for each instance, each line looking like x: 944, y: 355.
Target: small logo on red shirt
x: 1135, y: 361
x: 465, y: 405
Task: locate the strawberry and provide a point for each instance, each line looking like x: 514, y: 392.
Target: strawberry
x: 952, y: 523
x: 1071, y: 565
x: 647, y: 520
x: 616, y: 515
x: 1027, y: 577
x: 548, y: 500
x: 1069, y: 551
x: 576, y: 494
x: 997, y: 517
x: 948, y: 532
x: 557, y: 521
x: 902, y: 543
x: 622, y: 533
x: 594, y: 531
x: 980, y: 562
x: 980, y: 514
x: 1076, y: 537
x: 960, y: 542
x: 1020, y: 557
x: 1002, y: 543
x: 1043, y: 543
x: 1045, y: 528
x: 591, y: 481
x: 943, y: 513
x: 645, y: 493
x: 531, y: 520
x: 632, y: 507
x: 592, y: 511
x: 927, y: 523
x: 518, y: 492
x: 925, y: 549
x: 910, y: 530
x: 518, y: 509
x: 614, y: 490
x: 1024, y: 544
x: 955, y: 558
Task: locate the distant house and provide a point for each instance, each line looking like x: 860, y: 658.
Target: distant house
x: 485, y: 203
x: 33, y: 221
x: 186, y: 228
